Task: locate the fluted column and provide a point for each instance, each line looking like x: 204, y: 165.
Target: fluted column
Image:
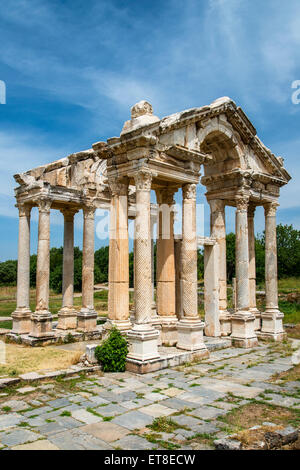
x: 252, y: 268
x: 272, y: 318
x: 143, y: 337
x: 87, y: 317
x: 190, y: 327
x: 243, y: 320
x: 42, y: 318
x: 118, y: 298
x: 165, y: 267
x: 67, y: 316
x: 218, y: 231
x: 22, y: 315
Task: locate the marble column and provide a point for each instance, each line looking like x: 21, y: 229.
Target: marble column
x: 218, y: 231
x: 272, y: 318
x: 67, y: 316
x: 143, y: 337
x: 165, y: 267
x: 211, y: 290
x: 252, y: 268
x: 118, y: 297
x: 243, y: 321
x: 190, y: 327
x: 87, y: 317
x: 22, y: 315
x: 178, y: 269
x: 41, y: 325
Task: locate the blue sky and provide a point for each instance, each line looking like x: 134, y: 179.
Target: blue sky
x: 74, y: 68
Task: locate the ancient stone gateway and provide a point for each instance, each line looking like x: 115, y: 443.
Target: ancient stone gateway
x: 161, y: 155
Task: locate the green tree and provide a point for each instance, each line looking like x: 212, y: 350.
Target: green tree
x: 8, y: 273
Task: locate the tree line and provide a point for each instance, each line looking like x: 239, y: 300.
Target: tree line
x: 288, y: 250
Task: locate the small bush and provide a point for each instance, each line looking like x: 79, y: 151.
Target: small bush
x: 112, y: 352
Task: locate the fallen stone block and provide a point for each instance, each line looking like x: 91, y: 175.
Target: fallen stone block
x: 227, y: 444
x: 282, y: 437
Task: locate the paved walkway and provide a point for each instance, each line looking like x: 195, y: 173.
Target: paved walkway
x: 116, y: 410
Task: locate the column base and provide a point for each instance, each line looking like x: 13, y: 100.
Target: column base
x: 41, y: 324
x: 156, y: 323
x: 243, y: 332
x: 190, y: 335
x: 143, y: 343
x: 257, y: 314
x: 272, y: 325
x: 225, y: 322
x: 21, y: 321
x: 122, y: 325
x: 67, y: 319
x: 169, y: 332
x: 87, y: 320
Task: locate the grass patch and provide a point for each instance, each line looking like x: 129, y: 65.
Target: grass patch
x: 291, y: 375
x: 255, y: 413
x: 163, y: 424
x: 66, y: 413
x: 20, y: 359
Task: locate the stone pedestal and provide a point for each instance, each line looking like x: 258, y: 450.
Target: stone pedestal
x: 41, y: 325
x: 87, y: 317
x: 243, y: 330
x: 143, y: 343
x: 87, y: 320
x: 218, y: 231
x: 272, y: 318
x: 21, y: 318
x: 243, y: 321
x: 67, y: 316
x: 190, y: 335
x: 22, y: 315
x: 168, y: 326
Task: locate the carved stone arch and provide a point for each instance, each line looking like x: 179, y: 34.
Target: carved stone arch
x: 219, y: 140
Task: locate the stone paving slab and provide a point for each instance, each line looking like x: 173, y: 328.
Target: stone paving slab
x: 10, y: 420
x: 156, y: 410
x: 76, y: 439
x: 133, y: 420
x: 134, y: 443
x: 37, y: 445
x: 106, y: 431
x: 15, y: 437
x: 86, y: 417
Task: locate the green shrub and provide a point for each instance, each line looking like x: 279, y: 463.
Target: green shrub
x: 112, y: 352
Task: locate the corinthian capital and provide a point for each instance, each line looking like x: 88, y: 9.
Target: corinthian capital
x: 242, y: 203
x: 189, y: 191
x: 251, y: 210
x: 271, y: 208
x: 143, y: 180
x: 117, y: 186
x: 24, y: 209
x: 165, y: 196
x: 89, y: 212
x: 44, y: 206
x: 216, y: 205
